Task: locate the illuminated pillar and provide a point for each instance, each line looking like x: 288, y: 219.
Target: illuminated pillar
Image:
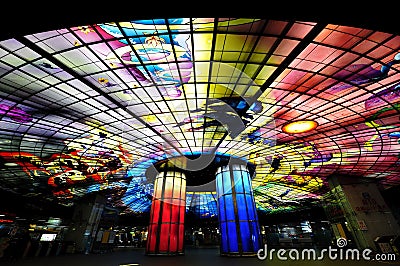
x: 166, y: 228
x: 240, y: 233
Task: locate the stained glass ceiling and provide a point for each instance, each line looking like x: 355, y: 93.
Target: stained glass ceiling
x: 90, y: 108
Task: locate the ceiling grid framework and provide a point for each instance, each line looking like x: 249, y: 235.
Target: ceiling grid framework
x: 90, y: 108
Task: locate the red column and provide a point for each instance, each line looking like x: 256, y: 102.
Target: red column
x: 166, y: 228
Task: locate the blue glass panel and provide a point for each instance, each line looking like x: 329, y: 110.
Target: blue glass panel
x: 188, y: 201
x: 246, y: 182
x: 229, y: 208
x: 220, y: 189
x: 221, y: 208
x: 224, y: 238
x: 227, y: 183
x: 251, y: 207
x: 255, y: 235
x: 246, y: 237
x: 232, y: 237
x: 237, y: 175
x: 242, y: 210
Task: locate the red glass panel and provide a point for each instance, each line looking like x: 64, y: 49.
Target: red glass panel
x: 174, y: 238
x: 164, y: 237
x: 156, y: 211
x: 175, y: 213
x: 181, y: 235
x: 152, y: 237
x: 166, y: 213
x: 182, y: 215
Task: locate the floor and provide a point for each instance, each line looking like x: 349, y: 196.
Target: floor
x: 192, y: 257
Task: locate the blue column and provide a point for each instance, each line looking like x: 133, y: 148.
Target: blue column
x: 240, y: 232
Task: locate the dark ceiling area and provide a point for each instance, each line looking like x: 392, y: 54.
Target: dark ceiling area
x: 40, y: 17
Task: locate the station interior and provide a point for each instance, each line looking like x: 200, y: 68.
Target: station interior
x: 180, y: 140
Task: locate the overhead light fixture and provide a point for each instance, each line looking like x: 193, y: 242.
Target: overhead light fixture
x: 300, y: 126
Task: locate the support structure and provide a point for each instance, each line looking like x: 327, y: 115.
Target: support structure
x: 85, y: 221
x: 166, y: 228
x: 358, y: 213
x: 240, y: 233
